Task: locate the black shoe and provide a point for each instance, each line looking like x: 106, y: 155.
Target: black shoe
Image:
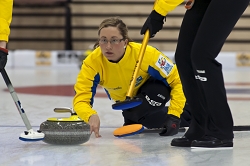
x: 211, y: 142
x: 171, y: 126
x: 181, y: 142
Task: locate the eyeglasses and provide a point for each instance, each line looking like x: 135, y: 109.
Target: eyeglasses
x: 112, y: 41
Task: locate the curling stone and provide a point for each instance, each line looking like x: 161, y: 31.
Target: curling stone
x: 65, y: 130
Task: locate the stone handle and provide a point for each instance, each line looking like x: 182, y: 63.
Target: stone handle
x: 63, y: 110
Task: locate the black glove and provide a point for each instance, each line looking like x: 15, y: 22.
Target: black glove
x: 3, y: 57
x: 171, y: 126
x: 154, y: 23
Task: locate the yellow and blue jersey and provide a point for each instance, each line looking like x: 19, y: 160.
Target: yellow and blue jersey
x: 115, y: 78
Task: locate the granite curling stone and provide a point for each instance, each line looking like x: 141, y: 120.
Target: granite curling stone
x: 66, y: 130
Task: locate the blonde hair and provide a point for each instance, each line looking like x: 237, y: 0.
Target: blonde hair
x: 114, y: 22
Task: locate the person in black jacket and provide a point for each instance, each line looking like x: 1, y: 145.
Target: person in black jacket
x: 205, y: 27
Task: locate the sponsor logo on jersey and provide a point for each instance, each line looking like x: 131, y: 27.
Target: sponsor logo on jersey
x: 164, y: 64
x: 116, y: 88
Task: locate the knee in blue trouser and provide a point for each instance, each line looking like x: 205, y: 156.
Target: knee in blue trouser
x: 155, y: 94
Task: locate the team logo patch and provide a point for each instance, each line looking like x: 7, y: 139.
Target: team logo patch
x: 164, y: 64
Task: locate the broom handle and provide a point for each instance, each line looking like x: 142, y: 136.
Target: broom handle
x: 16, y: 100
x: 138, y: 64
